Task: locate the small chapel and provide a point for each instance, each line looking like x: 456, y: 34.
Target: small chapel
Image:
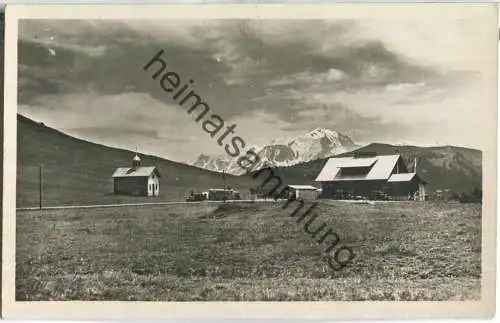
x: 136, y: 180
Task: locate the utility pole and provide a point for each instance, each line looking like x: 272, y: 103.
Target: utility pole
x: 40, y: 181
x: 224, y: 181
x: 224, y: 178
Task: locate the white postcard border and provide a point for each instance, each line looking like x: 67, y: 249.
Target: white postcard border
x: 291, y: 310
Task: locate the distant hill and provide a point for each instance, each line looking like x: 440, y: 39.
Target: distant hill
x: 79, y: 172
x: 455, y: 168
x: 458, y: 169
x: 76, y: 171
x: 284, y: 152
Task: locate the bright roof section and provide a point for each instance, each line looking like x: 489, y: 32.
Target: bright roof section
x: 303, y: 187
x: 381, y: 168
x: 138, y: 172
x: 401, y: 177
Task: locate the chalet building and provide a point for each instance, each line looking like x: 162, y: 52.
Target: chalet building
x: 304, y: 192
x: 136, y: 180
x: 370, y: 176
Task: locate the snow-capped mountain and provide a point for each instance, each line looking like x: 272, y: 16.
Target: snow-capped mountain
x: 319, y: 143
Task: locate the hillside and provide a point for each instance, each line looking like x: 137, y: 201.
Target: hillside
x: 455, y: 168
x: 79, y: 172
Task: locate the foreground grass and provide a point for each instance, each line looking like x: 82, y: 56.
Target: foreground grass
x: 404, y: 251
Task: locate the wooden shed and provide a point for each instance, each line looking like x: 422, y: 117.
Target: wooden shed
x: 304, y: 192
x: 137, y: 180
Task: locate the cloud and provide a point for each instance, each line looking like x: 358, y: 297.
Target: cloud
x: 125, y: 120
x: 371, y: 81
x: 308, y: 78
x: 404, y: 86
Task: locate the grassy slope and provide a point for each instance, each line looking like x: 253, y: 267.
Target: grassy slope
x: 79, y: 172
x: 404, y: 251
x: 449, y: 167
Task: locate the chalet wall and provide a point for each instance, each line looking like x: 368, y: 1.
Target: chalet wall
x: 357, y: 187
x: 306, y: 194
x: 403, y: 188
x: 131, y: 185
x: 400, y: 167
x: 365, y: 188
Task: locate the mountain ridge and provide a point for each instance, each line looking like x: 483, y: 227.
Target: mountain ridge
x: 284, y: 152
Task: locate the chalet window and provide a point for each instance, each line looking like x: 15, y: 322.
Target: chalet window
x: 354, y: 171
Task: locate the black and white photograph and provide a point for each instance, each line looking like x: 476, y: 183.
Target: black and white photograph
x: 249, y: 157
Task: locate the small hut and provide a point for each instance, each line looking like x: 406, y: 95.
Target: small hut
x: 304, y: 192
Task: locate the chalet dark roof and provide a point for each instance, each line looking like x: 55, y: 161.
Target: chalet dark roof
x: 142, y: 171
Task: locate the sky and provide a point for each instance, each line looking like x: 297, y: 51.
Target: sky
x: 422, y: 81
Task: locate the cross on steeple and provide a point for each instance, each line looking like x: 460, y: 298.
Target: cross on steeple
x: 136, y: 162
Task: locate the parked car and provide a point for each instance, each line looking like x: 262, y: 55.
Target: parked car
x: 379, y: 196
x: 196, y: 197
x: 223, y: 194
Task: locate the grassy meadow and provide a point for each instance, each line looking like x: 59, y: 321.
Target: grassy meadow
x: 248, y: 252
